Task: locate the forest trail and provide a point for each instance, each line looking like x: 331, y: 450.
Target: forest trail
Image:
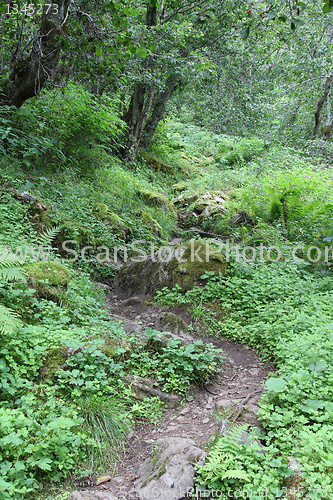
x: 199, y: 417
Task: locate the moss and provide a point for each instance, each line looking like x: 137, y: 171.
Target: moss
x: 74, y: 231
x: 156, y: 164
x: 117, y: 349
x: 176, y: 323
x: 103, y: 213
x: 150, y: 223
x: 49, y: 279
x: 179, y: 186
x: 159, y: 274
x: 155, y: 199
x: 52, y: 364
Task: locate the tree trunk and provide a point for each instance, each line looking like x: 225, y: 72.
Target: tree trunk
x: 135, y: 135
x: 28, y: 76
x: 320, y: 104
x: 156, y: 116
x: 142, y: 99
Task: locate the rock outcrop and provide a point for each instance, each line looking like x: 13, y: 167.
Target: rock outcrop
x: 169, y: 471
x: 181, y: 265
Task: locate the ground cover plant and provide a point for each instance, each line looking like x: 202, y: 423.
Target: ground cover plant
x: 118, y: 120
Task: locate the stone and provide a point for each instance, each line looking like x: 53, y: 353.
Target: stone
x: 174, y: 265
x: 144, y: 387
x: 49, y: 279
x: 169, y: 322
x: 169, y: 472
x: 131, y: 301
x: 91, y: 495
x: 241, y: 218
x: 293, y: 482
x: 129, y: 326
x: 224, y: 404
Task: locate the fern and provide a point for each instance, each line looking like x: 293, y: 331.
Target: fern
x: 9, y: 321
x: 220, y: 462
x: 11, y: 270
x: 48, y: 236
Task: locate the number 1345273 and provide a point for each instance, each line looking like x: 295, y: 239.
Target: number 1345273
x: 31, y: 9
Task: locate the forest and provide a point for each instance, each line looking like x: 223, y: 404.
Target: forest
x: 166, y: 229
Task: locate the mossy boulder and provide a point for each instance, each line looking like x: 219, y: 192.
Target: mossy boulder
x: 73, y: 231
x: 150, y: 223
x: 118, y: 349
x: 49, y: 279
x: 181, y: 265
x: 169, y: 322
x: 53, y: 362
x: 156, y: 164
x: 118, y: 225
x: 153, y: 198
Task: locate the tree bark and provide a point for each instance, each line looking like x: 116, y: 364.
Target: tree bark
x: 320, y: 104
x: 28, y: 76
x: 142, y: 99
x: 158, y: 109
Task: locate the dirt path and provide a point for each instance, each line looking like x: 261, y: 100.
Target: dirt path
x: 199, y: 417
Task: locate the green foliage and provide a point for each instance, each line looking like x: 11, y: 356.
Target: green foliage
x: 175, y: 366
x: 231, y: 466
x: 43, y: 441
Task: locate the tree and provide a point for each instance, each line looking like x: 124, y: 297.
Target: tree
x: 28, y: 74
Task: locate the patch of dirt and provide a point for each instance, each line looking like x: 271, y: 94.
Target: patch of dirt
x: 200, y: 415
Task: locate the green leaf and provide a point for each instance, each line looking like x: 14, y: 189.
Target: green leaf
x: 44, y: 463
x: 282, y: 18
x: 27, y: 186
x: 276, y: 384
x: 327, y: 7
x: 245, y: 31
x: 298, y: 22
x: 292, y: 26
x: 272, y: 14
x: 319, y: 367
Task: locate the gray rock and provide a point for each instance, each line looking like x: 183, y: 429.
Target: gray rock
x: 91, y: 495
x: 241, y: 218
x: 144, y: 387
x: 225, y: 403
x: 131, y: 301
x: 293, y: 482
x: 169, y: 472
x: 129, y: 326
x: 169, y: 322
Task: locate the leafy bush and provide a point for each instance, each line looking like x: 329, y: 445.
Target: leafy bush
x: 174, y: 365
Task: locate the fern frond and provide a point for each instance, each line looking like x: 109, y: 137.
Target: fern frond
x: 12, y: 274
x: 48, y: 235
x: 10, y: 268
x: 9, y: 321
x: 235, y: 474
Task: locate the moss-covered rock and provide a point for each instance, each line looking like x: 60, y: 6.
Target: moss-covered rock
x: 169, y: 322
x: 179, y: 186
x: 49, y: 279
x: 73, y: 231
x: 155, y: 199
x: 156, y: 164
x: 118, y: 225
x: 181, y: 265
x: 150, y: 223
x: 118, y: 349
x: 53, y: 362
